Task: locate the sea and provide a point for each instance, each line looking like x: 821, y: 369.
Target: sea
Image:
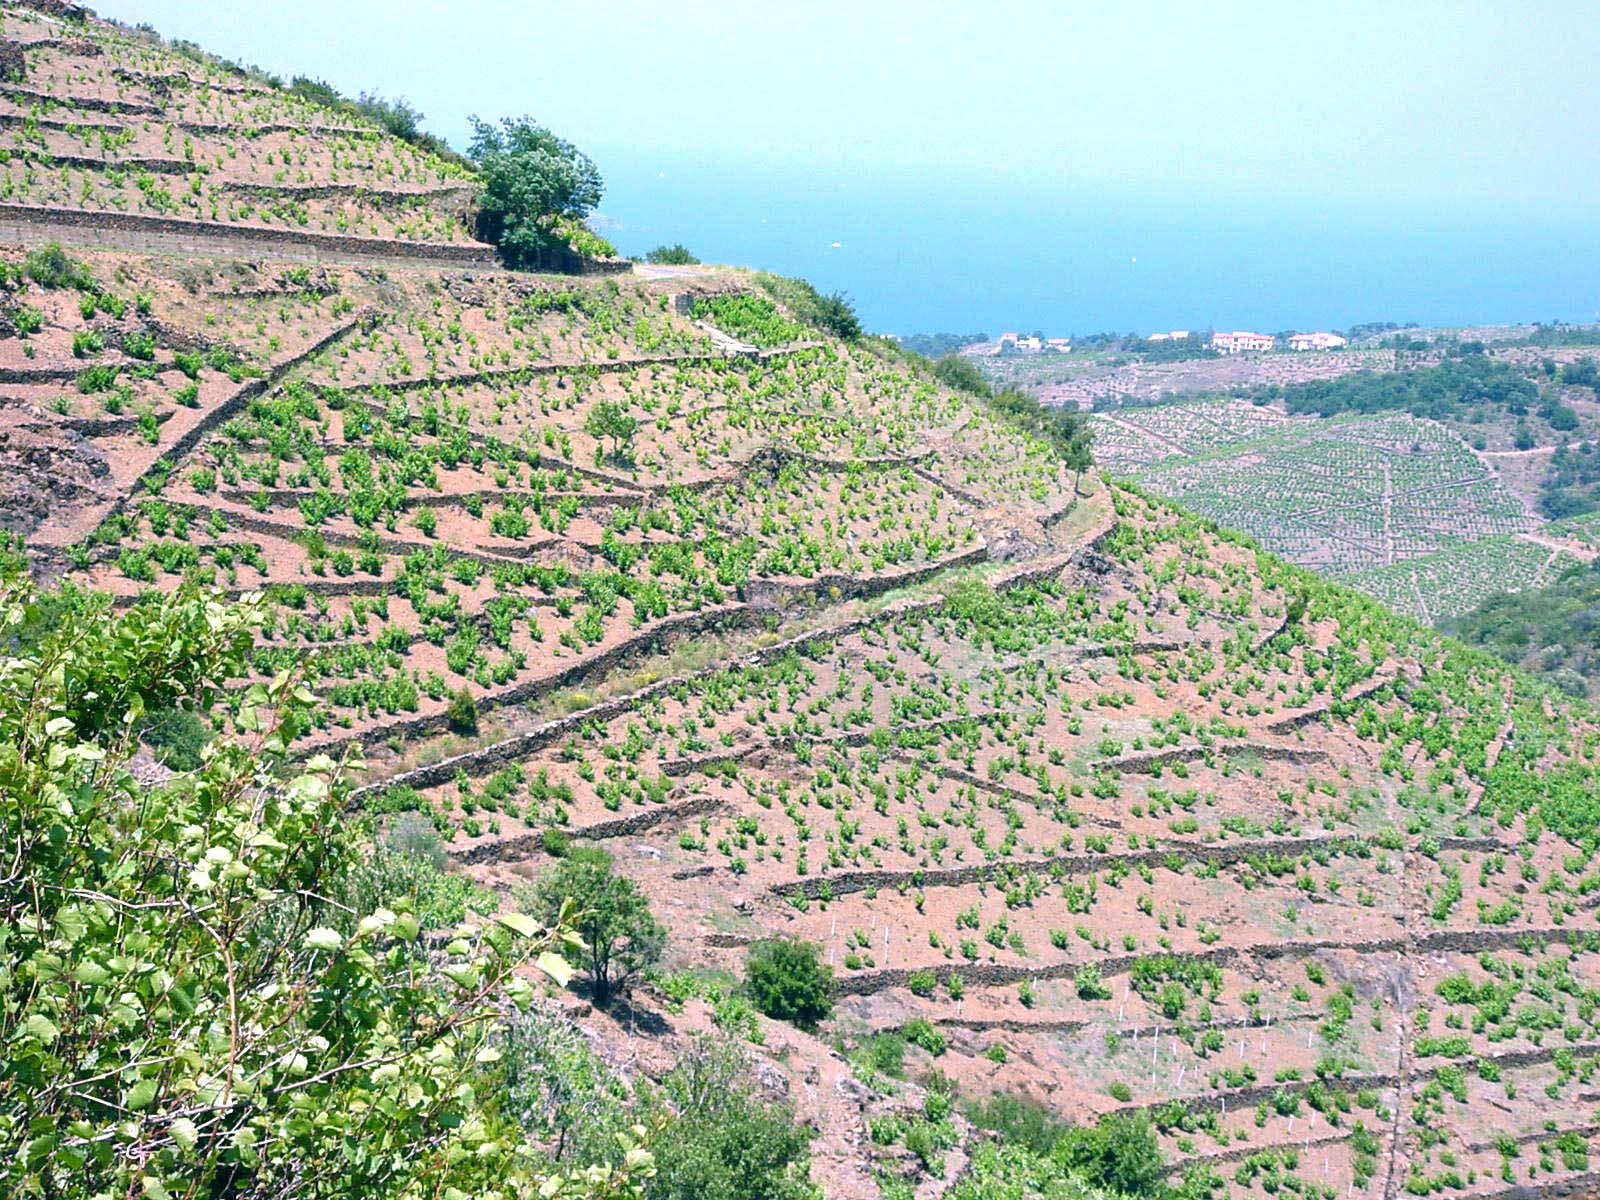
x: 925, y: 254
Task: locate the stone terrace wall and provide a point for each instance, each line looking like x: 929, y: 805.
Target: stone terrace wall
x: 28, y: 223
x: 1467, y: 941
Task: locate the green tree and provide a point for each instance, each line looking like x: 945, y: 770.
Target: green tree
x: 675, y: 255
x: 610, y: 913
x: 957, y: 371
x: 609, y: 421
x: 537, y: 186
x: 190, y: 1004
x: 788, y: 981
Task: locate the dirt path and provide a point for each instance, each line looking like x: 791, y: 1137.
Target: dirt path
x: 1397, y: 1128
x: 1559, y: 546
x: 1534, y: 452
x: 1388, y: 513
x: 1422, y: 605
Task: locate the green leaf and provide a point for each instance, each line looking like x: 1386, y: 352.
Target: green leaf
x: 185, y: 1133
x: 323, y: 938
x: 42, y: 1028
x: 556, y: 967
x: 141, y: 1095
x: 90, y: 973
x: 521, y: 923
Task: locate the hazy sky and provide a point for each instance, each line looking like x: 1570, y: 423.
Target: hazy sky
x: 1075, y: 168
x: 1452, y: 102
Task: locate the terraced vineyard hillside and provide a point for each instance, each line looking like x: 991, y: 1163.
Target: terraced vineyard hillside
x: 1082, y: 801
x: 1399, y: 506
x: 98, y: 119
x: 1136, y: 819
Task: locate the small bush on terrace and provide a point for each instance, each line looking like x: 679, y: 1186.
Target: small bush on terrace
x: 788, y: 981
x: 675, y: 255
x: 462, y: 713
x: 52, y: 267
x: 1120, y: 1154
x: 1018, y: 1120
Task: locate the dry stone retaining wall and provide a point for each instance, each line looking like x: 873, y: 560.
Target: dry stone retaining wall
x: 506, y: 849
x: 1062, y: 864
x: 171, y: 235
x: 1467, y: 941
x: 227, y: 408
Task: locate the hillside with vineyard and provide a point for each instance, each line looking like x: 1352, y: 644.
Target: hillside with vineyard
x: 1435, y: 484
x: 940, y: 818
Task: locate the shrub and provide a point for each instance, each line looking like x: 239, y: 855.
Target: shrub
x: 1120, y: 1154
x: 788, y: 981
x: 725, y: 1143
x: 957, y: 371
x: 920, y: 1031
x: 97, y: 379
x: 175, y: 736
x: 139, y: 345
x: 87, y: 342
x: 1089, y: 984
x: 462, y: 713
x: 118, y: 877
x: 676, y: 255
x: 1018, y: 1121
x: 831, y: 313
x: 52, y: 267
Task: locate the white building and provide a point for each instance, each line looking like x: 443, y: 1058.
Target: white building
x: 1240, y: 341
x: 1315, y: 341
x: 1171, y: 335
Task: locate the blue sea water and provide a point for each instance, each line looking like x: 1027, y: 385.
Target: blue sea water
x: 921, y: 255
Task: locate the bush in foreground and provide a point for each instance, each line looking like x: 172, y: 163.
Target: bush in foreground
x: 190, y: 1002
